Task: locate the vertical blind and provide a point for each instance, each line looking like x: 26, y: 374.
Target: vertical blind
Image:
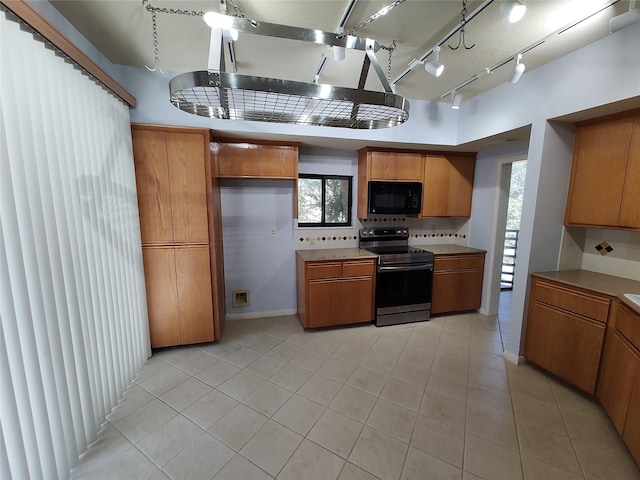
x: 73, y: 312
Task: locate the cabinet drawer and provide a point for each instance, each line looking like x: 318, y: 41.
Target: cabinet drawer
x: 324, y: 270
x: 575, y: 301
x: 457, y: 262
x: 628, y: 324
x: 358, y: 268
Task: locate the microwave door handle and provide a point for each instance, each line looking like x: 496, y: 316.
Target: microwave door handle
x: 408, y: 268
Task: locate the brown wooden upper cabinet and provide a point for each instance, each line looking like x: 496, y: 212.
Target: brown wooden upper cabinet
x: 252, y: 160
x: 604, y: 188
x: 172, y: 195
x: 397, y: 166
x: 447, y: 186
x: 385, y: 165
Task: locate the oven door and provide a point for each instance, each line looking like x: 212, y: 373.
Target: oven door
x: 403, y: 293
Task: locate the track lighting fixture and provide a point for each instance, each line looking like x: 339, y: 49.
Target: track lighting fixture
x: 339, y: 53
x: 513, y: 10
x: 456, y: 100
x: 518, y: 70
x: 434, y: 67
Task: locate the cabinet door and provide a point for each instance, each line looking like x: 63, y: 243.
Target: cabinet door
x: 162, y: 295
x: 193, y: 280
x: 152, y: 183
x: 631, y: 434
x: 447, y: 186
x: 325, y: 303
x: 456, y: 291
x: 357, y: 300
x: 629, y: 216
x: 597, y: 173
x: 409, y: 167
x: 565, y: 344
x: 617, y: 375
x: 277, y: 161
x: 188, y: 182
x: 382, y: 166
x: 461, y: 170
x: 435, y: 186
x: 238, y: 160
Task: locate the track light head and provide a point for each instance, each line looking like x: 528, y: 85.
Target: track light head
x: 434, y: 67
x: 456, y: 100
x: 339, y: 53
x: 518, y: 70
x: 513, y: 10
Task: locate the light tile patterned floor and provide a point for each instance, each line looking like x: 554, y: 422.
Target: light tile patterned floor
x: 431, y: 400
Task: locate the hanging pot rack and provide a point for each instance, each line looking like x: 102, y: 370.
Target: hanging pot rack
x: 233, y: 96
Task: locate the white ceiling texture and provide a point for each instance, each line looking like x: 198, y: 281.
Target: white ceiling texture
x: 122, y: 30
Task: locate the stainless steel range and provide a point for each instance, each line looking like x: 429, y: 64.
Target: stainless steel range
x: 404, y: 276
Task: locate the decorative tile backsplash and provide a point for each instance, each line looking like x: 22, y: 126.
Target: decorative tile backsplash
x: 603, y: 248
x: 421, y: 231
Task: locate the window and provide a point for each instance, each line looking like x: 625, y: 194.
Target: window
x: 324, y: 200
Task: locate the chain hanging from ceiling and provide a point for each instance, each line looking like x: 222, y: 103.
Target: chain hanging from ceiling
x: 383, y: 11
x: 463, y: 22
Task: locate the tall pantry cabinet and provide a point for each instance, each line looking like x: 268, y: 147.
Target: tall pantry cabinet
x: 179, y: 203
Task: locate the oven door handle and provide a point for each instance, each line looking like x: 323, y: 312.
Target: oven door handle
x: 408, y: 268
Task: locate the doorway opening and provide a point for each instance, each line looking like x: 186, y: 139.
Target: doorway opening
x: 512, y: 181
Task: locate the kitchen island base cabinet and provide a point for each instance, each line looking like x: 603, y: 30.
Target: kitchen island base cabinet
x: 332, y: 293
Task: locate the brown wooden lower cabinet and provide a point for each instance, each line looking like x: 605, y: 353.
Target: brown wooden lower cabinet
x: 620, y: 367
x: 457, y: 282
x: 334, y: 293
x: 565, y: 332
x: 565, y: 344
x: 631, y: 435
x: 619, y: 381
x: 178, y: 282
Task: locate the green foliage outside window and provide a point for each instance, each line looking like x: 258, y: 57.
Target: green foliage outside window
x: 324, y: 200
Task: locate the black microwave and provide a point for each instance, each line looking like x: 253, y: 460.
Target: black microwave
x: 395, y: 198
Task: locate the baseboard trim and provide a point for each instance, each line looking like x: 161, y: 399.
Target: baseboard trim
x: 267, y: 314
x: 513, y: 358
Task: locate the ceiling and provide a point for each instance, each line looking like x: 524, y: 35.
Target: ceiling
x: 122, y: 30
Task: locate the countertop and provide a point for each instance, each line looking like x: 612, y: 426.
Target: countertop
x: 596, y: 282
x: 448, y: 249
x: 357, y: 253
x: 334, y: 254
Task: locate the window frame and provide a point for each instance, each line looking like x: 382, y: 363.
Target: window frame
x: 324, y: 178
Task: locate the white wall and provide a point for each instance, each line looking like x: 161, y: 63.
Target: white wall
x: 255, y: 260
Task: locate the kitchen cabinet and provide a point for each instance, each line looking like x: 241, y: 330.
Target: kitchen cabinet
x: 448, y: 185
x: 335, y: 292
x: 604, y: 187
x: 457, y: 282
x: 619, y: 382
x: 179, y: 205
x: 251, y: 160
x: 179, y: 299
x: 394, y: 166
x: 565, y: 331
x: 385, y: 165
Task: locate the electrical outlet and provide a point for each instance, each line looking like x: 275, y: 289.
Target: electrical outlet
x: 273, y: 231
